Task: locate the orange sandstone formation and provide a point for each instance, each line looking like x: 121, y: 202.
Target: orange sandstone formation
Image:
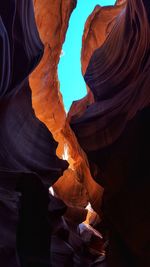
x: 52, y: 21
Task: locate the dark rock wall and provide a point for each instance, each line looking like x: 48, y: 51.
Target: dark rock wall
x: 28, y: 161
x: 114, y: 132
x: 118, y: 78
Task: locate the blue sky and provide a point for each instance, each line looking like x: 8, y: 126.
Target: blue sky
x: 72, y: 84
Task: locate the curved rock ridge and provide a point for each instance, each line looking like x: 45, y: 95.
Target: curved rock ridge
x: 97, y: 28
x: 28, y: 161
x: 29, y: 49
x: 118, y: 76
x: 52, y: 19
x: 26, y: 144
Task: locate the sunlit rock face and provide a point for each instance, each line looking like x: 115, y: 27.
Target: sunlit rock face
x: 52, y: 19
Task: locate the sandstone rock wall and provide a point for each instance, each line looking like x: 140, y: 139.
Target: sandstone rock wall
x: 52, y: 20
x: 97, y: 28
x: 114, y: 131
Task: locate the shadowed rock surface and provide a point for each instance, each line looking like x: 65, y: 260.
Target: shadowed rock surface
x: 114, y: 132
x: 26, y: 143
x: 116, y: 77
x: 97, y: 28
x: 28, y: 161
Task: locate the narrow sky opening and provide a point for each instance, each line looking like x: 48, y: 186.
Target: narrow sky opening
x: 72, y: 84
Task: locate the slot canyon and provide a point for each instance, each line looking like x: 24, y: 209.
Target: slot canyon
x: 74, y: 187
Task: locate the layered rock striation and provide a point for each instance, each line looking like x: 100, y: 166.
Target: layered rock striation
x: 114, y: 130
x: 28, y: 161
x: 97, y: 28
x: 110, y: 82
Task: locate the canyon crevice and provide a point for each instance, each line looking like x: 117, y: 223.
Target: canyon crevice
x: 52, y: 21
x: 74, y: 188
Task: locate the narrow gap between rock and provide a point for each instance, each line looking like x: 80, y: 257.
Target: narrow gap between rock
x: 72, y: 84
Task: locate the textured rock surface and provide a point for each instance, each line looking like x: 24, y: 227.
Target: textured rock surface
x: 28, y: 150
x: 26, y: 144
x: 114, y: 131
x: 107, y: 116
x: 52, y: 20
x: 97, y: 28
